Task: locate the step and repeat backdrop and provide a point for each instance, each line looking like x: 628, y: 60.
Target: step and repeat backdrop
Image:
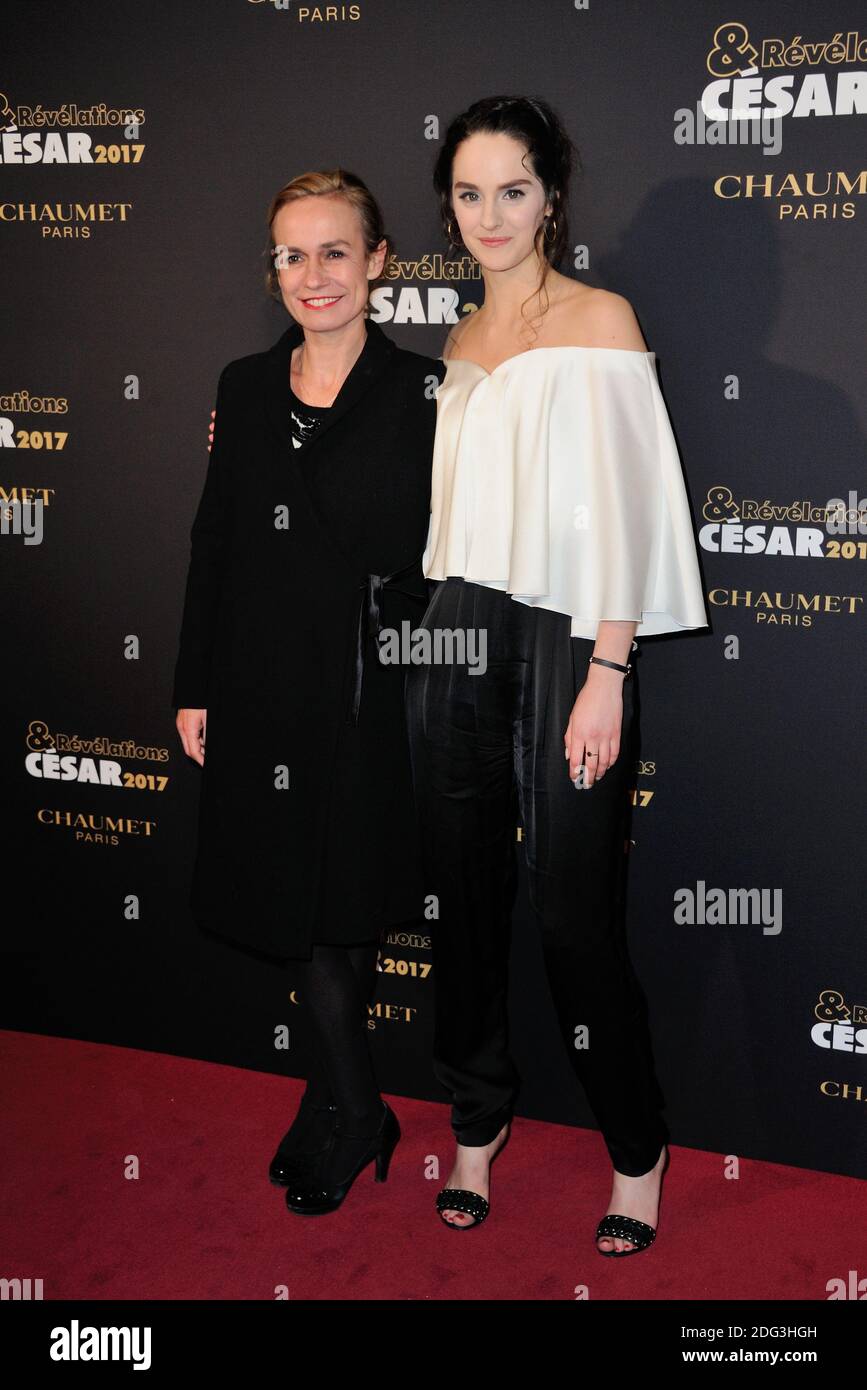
x: 724, y: 193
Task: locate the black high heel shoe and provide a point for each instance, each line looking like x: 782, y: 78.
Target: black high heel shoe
x: 321, y: 1191
x: 629, y: 1228
x: 292, y: 1163
x: 464, y: 1200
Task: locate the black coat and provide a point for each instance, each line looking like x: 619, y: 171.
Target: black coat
x: 278, y: 637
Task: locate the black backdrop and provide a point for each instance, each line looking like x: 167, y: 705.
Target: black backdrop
x: 122, y: 265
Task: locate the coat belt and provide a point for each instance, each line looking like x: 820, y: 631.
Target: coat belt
x: 370, y: 622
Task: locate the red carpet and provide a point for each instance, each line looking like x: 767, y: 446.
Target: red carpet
x: 203, y: 1222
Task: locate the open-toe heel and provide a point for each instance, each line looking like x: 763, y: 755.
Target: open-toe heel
x: 625, y: 1228
x: 463, y: 1200
x: 460, y: 1199
x: 628, y: 1228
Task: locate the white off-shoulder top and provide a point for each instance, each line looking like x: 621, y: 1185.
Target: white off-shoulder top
x: 556, y: 478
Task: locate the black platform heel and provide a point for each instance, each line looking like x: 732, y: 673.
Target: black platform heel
x: 288, y: 1166
x: 315, y: 1194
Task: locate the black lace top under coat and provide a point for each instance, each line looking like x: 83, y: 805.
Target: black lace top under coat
x: 304, y: 418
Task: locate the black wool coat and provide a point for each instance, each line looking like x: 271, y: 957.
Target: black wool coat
x: 277, y: 641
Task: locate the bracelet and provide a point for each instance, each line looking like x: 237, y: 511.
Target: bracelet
x: 615, y: 665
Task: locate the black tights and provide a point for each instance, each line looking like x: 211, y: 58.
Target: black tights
x: 336, y: 987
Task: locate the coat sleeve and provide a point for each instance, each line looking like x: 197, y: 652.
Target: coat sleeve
x: 205, y: 574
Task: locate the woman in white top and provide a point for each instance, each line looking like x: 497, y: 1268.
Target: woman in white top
x: 559, y: 530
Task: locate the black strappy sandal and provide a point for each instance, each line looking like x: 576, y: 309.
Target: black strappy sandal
x: 470, y: 1203
x: 461, y: 1199
x: 626, y: 1228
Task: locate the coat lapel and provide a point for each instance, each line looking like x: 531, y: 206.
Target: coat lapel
x: 370, y: 363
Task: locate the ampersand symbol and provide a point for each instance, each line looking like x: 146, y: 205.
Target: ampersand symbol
x: 720, y: 505
x: 732, y: 51
x: 39, y: 736
x: 831, y: 1006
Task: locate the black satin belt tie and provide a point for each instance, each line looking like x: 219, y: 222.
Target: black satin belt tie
x: 370, y: 619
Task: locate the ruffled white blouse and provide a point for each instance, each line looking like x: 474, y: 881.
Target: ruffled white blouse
x: 556, y: 478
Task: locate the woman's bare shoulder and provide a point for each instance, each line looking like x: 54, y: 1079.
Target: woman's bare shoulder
x: 456, y: 334
x: 601, y: 318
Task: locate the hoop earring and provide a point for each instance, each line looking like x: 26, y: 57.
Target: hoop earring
x: 553, y: 238
x: 453, y: 240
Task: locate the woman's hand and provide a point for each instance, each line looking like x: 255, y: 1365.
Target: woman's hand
x: 211, y: 429
x: 595, y: 724
x: 192, y: 724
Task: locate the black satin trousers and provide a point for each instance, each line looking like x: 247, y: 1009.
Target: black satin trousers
x: 487, y: 750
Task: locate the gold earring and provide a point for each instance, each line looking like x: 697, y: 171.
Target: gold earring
x: 550, y: 239
x: 454, y: 240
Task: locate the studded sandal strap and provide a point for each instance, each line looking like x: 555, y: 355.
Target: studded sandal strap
x: 626, y: 1228
x: 461, y: 1199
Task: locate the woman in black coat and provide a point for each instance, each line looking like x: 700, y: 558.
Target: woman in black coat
x: 307, y: 540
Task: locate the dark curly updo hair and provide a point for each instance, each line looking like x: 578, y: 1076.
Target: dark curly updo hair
x: 552, y: 156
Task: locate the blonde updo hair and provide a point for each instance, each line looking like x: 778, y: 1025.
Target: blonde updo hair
x: 317, y: 184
